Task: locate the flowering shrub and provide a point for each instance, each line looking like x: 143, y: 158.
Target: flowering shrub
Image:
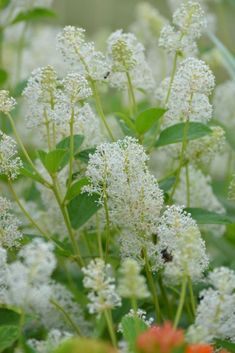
x: 117, y: 193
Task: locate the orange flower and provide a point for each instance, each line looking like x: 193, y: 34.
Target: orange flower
x: 160, y: 339
x: 199, y: 348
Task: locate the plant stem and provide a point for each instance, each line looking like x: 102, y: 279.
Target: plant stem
x: 187, y: 184
x: 131, y: 93
x: 172, y: 77
x: 181, y: 302
x: 109, y: 320
x: 71, y: 147
x: 107, y: 228
x: 65, y: 215
x: 192, y: 298
x: 67, y: 317
x: 20, y: 143
x: 100, y: 109
x: 152, y: 286
x: 99, y: 239
x: 25, y: 212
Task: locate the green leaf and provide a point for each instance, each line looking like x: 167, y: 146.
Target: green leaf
x: 146, y: 119
x: 34, y: 14
x: 3, y: 76
x: 82, y: 208
x: 9, y: 316
x: 78, y: 345
x: 76, y: 188
x: 63, y: 248
x: 8, y: 335
x: 27, y: 171
x: 129, y: 123
x: 132, y: 327
x: 202, y: 216
x: 65, y: 143
x: 226, y: 344
x: 84, y: 155
x: 53, y: 161
x: 166, y: 184
x: 175, y: 133
x: 4, y: 3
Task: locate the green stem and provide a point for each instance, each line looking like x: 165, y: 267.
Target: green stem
x: 187, y: 184
x: 20, y: 51
x: 71, y: 125
x: 65, y: 215
x: 172, y: 77
x: 131, y: 93
x: 24, y: 211
x: 152, y: 287
x: 181, y: 302
x: 107, y: 228
x: 20, y: 143
x: 100, y: 109
x: 192, y: 298
x: 164, y: 295
x: 99, y: 239
x: 67, y: 317
x: 109, y: 320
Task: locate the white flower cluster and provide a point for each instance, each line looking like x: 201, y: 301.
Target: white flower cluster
x: 188, y: 24
x: 192, y: 84
x: 81, y: 54
x: 7, y: 103
x: 10, y: 163
x: 180, y: 246
x: 53, y: 340
x: 127, y: 57
x: 118, y: 173
x: 99, y: 280
x: 215, y: 317
x: 40, y: 94
x: 142, y: 314
x: 132, y: 284
x: 9, y: 225
x: 53, y: 101
x: 27, y: 284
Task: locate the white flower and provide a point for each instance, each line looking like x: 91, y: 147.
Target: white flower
x: 118, y: 173
x: 127, y: 56
x: 180, y: 246
x: 81, y: 54
x: 215, y: 317
x: 99, y: 280
x: 224, y: 103
x: 76, y: 87
x: 10, y: 164
x: 188, y: 100
x: 188, y: 23
x: 132, y: 284
x: 9, y: 225
x: 7, y: 103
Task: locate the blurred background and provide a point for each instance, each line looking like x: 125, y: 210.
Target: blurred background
x: 95, y: 15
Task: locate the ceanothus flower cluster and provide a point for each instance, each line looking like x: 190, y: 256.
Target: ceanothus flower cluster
x: 180, y: 247
x: 10, y: 163
x: 98, y: 279
x: 188, y: 23
x: 9, y: 225
x: 215, y: 317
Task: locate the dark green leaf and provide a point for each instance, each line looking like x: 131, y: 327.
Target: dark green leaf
x: 3, y: 76
x: 18, y: 90
x: 76, y: 188
x: 175, y: 133
x: 132, y: 327
x: 9, y: 316
x: 202, y: 216
x: 65, y: 143
x: 146, y: 119
x: 53, y: 161
x: 84, y: 155
x: 167, y: 183
x: 8, y: 335
x: 226, y: 344
x: 82, y: 208
x: 63, y: 248
x: 34, y: 14
x: 26, y: 170
x: 4, y: 3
